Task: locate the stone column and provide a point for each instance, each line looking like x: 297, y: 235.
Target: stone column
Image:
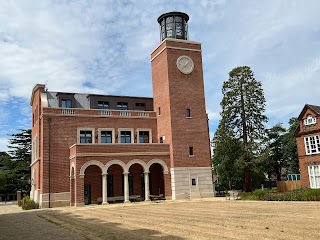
x: 104, y: 189
x: 126, y: 187
x: 146, y: 186
x: 72, y: 193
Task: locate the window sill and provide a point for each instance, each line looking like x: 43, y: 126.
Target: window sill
x: 188, y: 117
x: 313, y: 154
x: 191, y: 155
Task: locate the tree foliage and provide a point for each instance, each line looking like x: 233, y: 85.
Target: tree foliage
x: 226, y: 154
x: 281, y: 150
x: 242, y: 119
x: 15, y: 172
x: 275, y: 160
x: 290, y: 150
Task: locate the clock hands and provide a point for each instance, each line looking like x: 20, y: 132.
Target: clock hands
x: 185, y: 64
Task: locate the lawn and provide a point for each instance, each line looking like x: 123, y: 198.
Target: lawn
x: 208, y: 219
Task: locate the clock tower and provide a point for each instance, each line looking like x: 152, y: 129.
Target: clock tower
x: 179, y: 100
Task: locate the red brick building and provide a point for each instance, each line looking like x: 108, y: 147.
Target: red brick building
x: 89, y: 148
x: 308, y: 142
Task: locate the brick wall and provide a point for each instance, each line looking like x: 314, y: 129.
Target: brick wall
x: 173, y: 92
x: 304, y: 159
x: 64, y: 135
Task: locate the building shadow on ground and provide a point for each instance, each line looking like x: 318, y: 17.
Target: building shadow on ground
x: 96, y: 228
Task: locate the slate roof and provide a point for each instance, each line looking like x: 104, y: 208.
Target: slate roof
x: 315, y: 108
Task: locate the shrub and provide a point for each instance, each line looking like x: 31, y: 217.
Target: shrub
x: 28, y: 204
x: 296, y: 195
x: 260, y: 193
x: 312, y: 195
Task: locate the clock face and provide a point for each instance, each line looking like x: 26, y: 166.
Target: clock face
x: 185, y: 64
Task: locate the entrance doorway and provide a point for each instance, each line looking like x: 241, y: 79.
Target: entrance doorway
x: 87, y: 194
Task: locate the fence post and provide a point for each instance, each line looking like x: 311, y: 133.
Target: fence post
x: 18, y: 196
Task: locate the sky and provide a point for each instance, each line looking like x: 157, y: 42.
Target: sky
x: 104, y: 46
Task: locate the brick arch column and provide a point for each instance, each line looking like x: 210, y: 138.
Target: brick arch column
x: 79, y: 190
x: 125, y: 175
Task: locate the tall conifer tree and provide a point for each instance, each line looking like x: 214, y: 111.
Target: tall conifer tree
x: 243, y: 107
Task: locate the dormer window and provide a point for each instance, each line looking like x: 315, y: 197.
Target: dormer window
x: 122, y: 106
x: 310, y: 120
x: 66, y: 100
x: 66, y: 103
x: 103, y: 105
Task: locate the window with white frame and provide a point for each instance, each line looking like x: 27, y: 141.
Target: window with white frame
x: 310, y: 120
x: 312, y: 144
x: 35, y: 149
x: 85, y: 135
x: 125, y: 136
x: 314, y: 176
x: 144, y: 135
x: 106, y: 136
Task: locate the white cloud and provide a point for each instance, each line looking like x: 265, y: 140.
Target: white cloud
x: 3, y: 145
x: 289, y: 91
x: 103, y: 46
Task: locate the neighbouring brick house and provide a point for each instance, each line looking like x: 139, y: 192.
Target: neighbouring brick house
x: 308, y: 142
x: 88, y: 148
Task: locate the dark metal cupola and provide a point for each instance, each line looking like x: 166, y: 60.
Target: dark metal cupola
x: 173, y: 25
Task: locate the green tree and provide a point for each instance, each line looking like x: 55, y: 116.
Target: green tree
x: 243, y: 107
x: 225, y: 159
x: 275, y: 150
x: 281, y: 150
x: 290, y: 151
x: 20, y: 157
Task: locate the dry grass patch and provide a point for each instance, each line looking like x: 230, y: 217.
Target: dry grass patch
x: 209, y: 219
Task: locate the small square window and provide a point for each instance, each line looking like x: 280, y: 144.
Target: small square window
x: 122, y: 106
x: 143, y: 136
x: 194, y: 182
x: 86, y: 136
x: 141, y: 106
x: 190, y: 151
x: 106, y: 137
x: 125, y: 137
x: 310, y: 120
x: 188, y: 113
x: 103, y: 105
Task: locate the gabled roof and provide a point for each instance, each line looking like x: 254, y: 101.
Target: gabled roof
x: 314, y: 108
